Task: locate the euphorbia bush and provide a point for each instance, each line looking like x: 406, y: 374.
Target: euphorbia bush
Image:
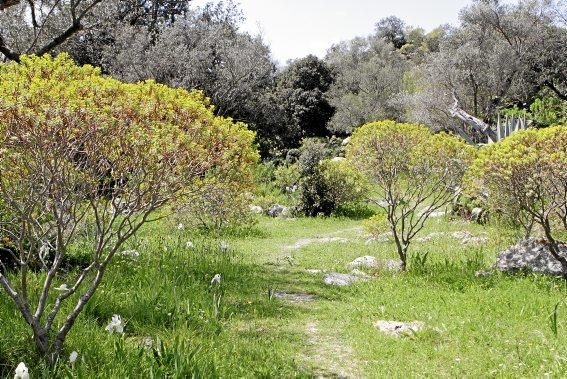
x: 82, y: 152
x: 414, y: 172
x: 525, y: 177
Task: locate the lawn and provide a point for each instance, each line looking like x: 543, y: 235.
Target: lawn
x: 496, y: 326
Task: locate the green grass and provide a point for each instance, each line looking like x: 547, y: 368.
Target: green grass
x: 500, y: 326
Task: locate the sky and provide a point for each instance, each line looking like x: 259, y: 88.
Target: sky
x: 296, y: 28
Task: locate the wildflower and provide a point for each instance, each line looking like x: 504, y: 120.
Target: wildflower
x: 189, y: 245
x: 115, y: 325
x: 180, y: 227
x: 216, y: 279
x: 22, y: 372
x: 63, y: 288
x: 132, y: 254
x: 224, y: 246
x: 73, y: 357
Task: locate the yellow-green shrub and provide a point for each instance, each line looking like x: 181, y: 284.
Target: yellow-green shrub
x: 414, y: 172
x: 524, y: 177
x: 78, y: 147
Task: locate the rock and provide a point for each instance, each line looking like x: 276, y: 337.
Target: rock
x: 341, y: 280
x: 397, y: 328
x: 346, y: 141
x: 530, y: 254
x: 295, y: 297
x: 277, y: 210
x: 390, y: 265
x: 462, y: 235
x: 467, y: 238
x: 429, y: 237
x: 256, y: 209
x: 338, y: 159
x: 364, y: 262
x: 478, y: 215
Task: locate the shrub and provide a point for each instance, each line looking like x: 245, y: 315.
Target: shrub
x: 332, y: 183
x: 525, y: 178
x: 78, y: 150
x: 287, y: 178
x: 414, y: 171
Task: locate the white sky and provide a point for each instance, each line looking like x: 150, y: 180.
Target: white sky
x: 296, y: 28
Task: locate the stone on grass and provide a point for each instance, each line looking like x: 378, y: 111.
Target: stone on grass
x: 297, y: 297
x: 256, y: 209
x: 363, y: 262
x: 467, y: 238
x: 398, y: 328
x: 384, y: 237
x: 277, y: 210
x: 479, y: 215
x: 530, y: 254
x: 341, y: 280
x: 429, y: 237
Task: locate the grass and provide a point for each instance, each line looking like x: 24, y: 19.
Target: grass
x: 499, y: 326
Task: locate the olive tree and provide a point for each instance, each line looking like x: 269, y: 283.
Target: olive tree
x: 87, y: 161
x: 525, y: 177
x: 414, y: 171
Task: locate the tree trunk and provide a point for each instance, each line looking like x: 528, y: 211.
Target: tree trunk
x: 476, y: 123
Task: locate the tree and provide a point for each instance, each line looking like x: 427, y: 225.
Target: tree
x: 525, y: 177
x: 300, y: 89
x: 369, y: 77
x: 392, y: 30
x: 90, y: 159
x: 502, y: 55
x: 39, y: 27
x: 416, y: 173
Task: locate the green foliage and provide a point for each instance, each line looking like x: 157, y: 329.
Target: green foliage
x: 414, y: 171
x: 331, y: 184
x: 549, y: 111
x: 525, y: 177
x: 87, y: 160
x: 287, y: 178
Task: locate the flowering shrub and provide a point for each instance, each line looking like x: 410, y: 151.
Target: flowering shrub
x: 81, y: 150
x: 525, y: 178
x: 415, y: 172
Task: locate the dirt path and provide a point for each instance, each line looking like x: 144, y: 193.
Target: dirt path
x: 325, y: 354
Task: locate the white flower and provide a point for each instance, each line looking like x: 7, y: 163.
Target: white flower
x: 73, y: 357
x: 180, y: 227
x: 133, y: 254
x: 115, y: 325
x: 224, y: 246
x: 63, y: 288
x: 216, y: 279
x: 189, y: 245
x: 22, y: 372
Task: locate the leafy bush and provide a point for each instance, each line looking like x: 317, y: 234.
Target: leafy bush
x: 525, y: 178
x: 331, y: 184
x: 414, y: 171
x: 79, y: 151
x: 287, y: 178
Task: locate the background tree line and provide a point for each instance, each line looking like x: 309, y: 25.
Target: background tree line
x: 502, y: 57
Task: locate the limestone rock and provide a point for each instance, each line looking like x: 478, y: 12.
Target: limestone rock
x: 530, y: 254
x: 397, y: 328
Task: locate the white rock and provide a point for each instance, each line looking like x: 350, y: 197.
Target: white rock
x: 397, y: 328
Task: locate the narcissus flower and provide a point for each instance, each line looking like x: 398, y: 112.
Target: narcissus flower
x: 22, y: 372
x: 115, y: 325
